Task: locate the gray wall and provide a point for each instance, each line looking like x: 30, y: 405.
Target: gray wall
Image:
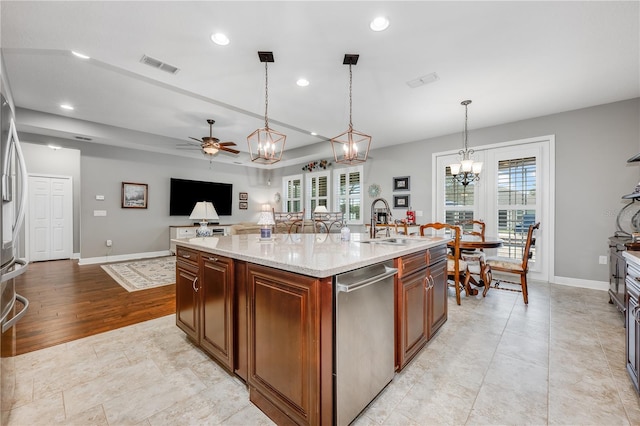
x: 104, y: 168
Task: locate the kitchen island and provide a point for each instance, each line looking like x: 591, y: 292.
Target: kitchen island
x: 265, y: 309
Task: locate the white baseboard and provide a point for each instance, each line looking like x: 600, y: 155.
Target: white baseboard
x: 577, y: 282
x: 122, y: 257
x: 75, y: 256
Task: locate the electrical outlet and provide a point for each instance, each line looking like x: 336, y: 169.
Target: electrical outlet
x: 109, y: 243
x: 603, y: 260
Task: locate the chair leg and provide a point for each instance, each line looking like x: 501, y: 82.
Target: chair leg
x: 467, y: 288
x: 523, y: 283
x: 456, y: 286
x: 487, y: 276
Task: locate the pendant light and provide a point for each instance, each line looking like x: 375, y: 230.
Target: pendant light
x: 266, y: 145
x: 466, y: 171
x: 352, y: 146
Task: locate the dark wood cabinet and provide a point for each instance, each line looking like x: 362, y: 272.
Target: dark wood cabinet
x: 421, y: 301
x: 187, y: 295
x: 204, y: 302
x: 438, y: 296
x: 285, y: 311
x: 216, y: 308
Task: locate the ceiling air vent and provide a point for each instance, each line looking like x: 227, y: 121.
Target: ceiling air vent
x: 425, y: 79
x: 82, y: 138
x: 152, y: 62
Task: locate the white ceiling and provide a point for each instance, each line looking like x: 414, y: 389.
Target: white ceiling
x: 515, y: 60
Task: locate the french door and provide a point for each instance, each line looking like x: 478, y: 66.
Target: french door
x: 515, y: 190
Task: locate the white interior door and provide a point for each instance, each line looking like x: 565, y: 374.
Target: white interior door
x: 50, y: 218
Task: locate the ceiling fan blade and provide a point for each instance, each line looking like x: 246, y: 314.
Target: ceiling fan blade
x: 193, y: 147
x: 227, y: 144
x: 233, y: 151
x: 199, y: 140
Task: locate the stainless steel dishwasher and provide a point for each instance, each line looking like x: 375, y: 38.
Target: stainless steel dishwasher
x: 364, y: 338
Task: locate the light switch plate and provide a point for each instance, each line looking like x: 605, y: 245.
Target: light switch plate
x: 99, y: 212
x: 100, y: 197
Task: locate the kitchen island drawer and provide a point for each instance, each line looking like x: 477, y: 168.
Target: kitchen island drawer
x: 187, y: 255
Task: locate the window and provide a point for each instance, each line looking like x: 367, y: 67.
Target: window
x: 516, y: 194
x: 345, y: 197
x: 348, y: 193
x: 317, y: 191
x: 458, y: 199
x: 292, y: 189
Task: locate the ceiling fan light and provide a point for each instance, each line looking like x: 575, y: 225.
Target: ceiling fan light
x: 211, y: 150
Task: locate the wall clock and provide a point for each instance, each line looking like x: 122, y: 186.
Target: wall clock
x: 374, y: 190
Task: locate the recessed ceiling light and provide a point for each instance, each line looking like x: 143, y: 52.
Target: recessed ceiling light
x: 219, y: 38
x: 54, y: 147
x: 302, y: 82
x: 67, y: 107
x: 80, y: 55
x: 381, y: 23
x: 314, y: 134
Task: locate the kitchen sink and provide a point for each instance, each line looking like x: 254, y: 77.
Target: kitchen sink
x: 391, y: 241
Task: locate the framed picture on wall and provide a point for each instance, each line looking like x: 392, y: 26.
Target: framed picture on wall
x: 401, y: 183
x: 401, y: 201
x: 244, y: 205
x: 134, y: 195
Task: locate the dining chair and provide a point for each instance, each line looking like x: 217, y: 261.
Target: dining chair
x: 328, y: 221
x: 456, y: 267
x: 475, y: 258
x: 473, y: 227
x: 288, y: 222
x: 516, y: 266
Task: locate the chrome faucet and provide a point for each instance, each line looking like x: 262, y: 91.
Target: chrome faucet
x: 372, y: 231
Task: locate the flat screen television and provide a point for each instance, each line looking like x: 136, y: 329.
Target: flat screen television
x: 184, y: 195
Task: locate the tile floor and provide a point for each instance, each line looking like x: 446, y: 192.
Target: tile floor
x: 559, y: 360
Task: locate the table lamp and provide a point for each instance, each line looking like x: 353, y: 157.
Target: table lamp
x: 321, y: 209
x: 265, y: 221
x: 204, y: 210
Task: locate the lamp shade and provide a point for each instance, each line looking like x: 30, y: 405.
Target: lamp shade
x: 204, y: 210
x: 266, y: 218
x: 321, y: 209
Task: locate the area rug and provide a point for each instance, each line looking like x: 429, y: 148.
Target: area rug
x: 143, y: 274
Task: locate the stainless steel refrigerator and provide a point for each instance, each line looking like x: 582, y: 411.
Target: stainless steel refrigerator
x: 14, y: 196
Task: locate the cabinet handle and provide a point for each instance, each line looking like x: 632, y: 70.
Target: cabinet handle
x: 433, y: 282
x: 213, y: 259
x: 186, y: 256
x: 195, y: 280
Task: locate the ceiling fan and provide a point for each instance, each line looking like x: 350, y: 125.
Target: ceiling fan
x: 211, y: 145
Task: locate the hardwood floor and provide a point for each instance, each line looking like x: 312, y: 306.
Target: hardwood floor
x: 68, y: 302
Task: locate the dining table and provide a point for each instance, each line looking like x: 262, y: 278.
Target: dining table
x: 476, y: 242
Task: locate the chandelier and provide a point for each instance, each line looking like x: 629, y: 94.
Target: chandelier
x: 352, y: 146
x: 466, y: 171
x: 266, y: 145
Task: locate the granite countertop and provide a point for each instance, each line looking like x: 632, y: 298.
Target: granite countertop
x: 316, y: 255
